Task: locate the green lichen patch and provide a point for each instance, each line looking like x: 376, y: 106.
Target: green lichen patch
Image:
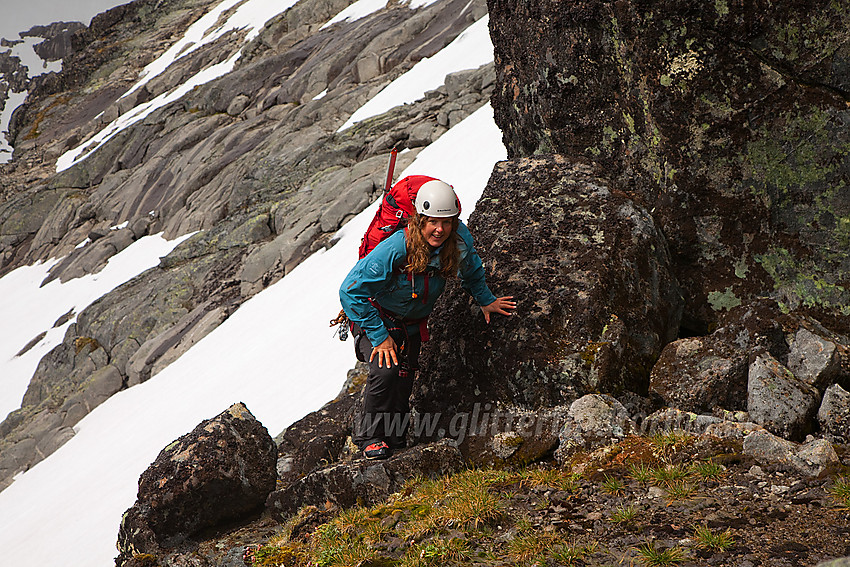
x: 796, y: 152
x: 801, y: 283
x: 725, y: 299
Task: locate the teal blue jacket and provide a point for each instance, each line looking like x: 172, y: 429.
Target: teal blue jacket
x: 379, y: 276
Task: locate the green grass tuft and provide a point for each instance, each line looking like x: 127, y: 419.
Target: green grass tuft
x: 652, y: 556
x: 665, y: 475
x: 840, y: 491
x: 624, y: 514
x: 707, y: 539
x: 641, y: 472
x: 680, y: 490
x: 708, y: 470
x: 613, y: 485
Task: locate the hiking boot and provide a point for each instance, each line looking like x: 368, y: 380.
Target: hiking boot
x: 378, y: 450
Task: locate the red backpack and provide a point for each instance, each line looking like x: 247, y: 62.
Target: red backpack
x: 395, y: 208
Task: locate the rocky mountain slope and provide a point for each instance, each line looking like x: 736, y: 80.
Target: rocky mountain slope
x: 673, y: 218
x: 252, y: 160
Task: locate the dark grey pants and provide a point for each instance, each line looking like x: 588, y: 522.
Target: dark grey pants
x: 386, y: 398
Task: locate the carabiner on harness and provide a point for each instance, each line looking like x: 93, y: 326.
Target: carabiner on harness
x: 343, y: 325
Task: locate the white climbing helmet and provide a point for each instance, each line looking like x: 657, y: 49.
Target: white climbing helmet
x: 437, y: 199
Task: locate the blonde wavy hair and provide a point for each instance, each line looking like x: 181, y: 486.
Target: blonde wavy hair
x: 419, y: 252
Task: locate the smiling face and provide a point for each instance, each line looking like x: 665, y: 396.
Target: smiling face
x: 436, y: 230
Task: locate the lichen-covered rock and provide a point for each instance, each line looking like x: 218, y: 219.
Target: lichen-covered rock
x: 834, y: 413
x: 318, y: 439
x: 700, y: 374
x: 737, y: 430
x: 708, y: 374
x: 814, y: 359
x: 732, y: 425
x: 220, y: 472
x: 592, y: 421
x: 672, y: 420
x: 596, y: 299
x: 740, y: 148
x: 778, y: 400
x: 507, y: 436
x: 811, y: 458
x: 363, y: 482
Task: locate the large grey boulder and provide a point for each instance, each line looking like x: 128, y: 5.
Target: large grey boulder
x: 834, y: 413
x: 814, y: 359
x: 590, y: 271
x: 780, y: 401
x: 220, y: 472
x: 811, y: 458
x: 592, y: 421
x: 363, y: 482
x: 701, y: 374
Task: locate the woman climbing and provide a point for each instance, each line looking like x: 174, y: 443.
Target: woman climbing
x: 388, y: 296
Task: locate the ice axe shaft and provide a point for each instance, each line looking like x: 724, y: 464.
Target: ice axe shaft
x: 389, y: 184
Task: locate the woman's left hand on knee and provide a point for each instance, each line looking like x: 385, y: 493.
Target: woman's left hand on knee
x: 386, y: 352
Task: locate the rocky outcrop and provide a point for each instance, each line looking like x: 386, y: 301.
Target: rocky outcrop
x: 364, y: 482
x: 739, y: 147
x: 811, y: 458
x: 592, y: 421
x: 591, y: 273
x: 220, y: 472
x: 57, y: 39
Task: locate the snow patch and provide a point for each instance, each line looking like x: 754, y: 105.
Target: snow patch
x: 30, y: 309
x: 356, y: 11
x: 13, y: 101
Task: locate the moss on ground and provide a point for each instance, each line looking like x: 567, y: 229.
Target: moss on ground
x: 678, y: 498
